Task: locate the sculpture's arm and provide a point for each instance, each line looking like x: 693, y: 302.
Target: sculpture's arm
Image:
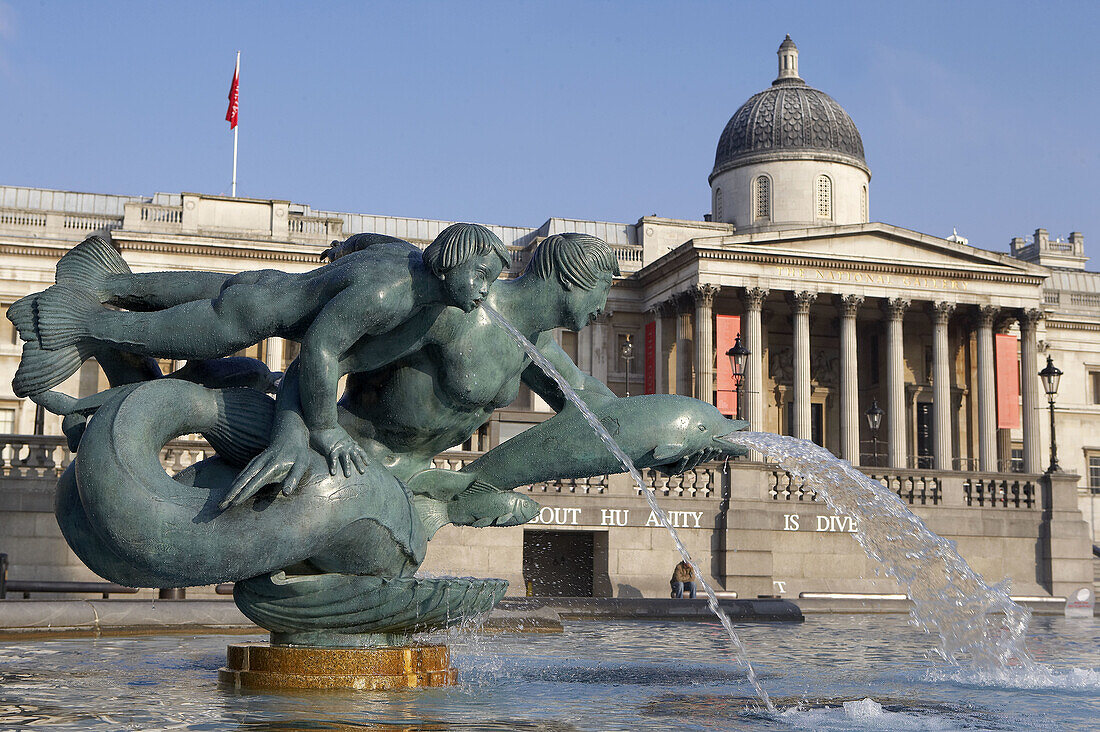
x: 286, y: 457
x: 587, y: 387
x: 354, y: 313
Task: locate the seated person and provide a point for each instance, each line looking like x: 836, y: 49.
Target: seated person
x: 362, y: 294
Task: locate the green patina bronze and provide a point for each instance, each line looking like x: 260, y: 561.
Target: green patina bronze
x: 320, y: 508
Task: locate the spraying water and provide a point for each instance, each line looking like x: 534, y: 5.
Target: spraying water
x: 712, y: 600
x: 950, y: 600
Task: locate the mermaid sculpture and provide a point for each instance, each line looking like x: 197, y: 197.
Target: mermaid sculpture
x: 321, y: 510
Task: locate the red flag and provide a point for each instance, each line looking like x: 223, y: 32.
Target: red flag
x: 234, y: 96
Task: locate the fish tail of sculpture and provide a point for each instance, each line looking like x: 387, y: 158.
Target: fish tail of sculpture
x: 62, y: 313
x: 40, y: 370
x: 89, y: 264
x: 480, y: 505
x: 21, y: 314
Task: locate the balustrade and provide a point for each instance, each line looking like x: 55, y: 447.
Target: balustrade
x: 157, y: 214
x: 90, y: 222
x: 42, y: 458
x: 322, y: 227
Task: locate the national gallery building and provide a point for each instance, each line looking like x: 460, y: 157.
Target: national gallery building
x: 913, y: 356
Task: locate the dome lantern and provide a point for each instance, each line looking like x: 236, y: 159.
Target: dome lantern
x: 788, y: 60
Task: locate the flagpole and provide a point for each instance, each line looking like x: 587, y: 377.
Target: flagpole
x: 236, y: 75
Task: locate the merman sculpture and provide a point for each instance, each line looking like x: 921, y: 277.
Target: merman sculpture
x: 320, y: 511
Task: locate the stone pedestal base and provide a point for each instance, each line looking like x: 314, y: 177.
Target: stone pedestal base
x: 264, y: 666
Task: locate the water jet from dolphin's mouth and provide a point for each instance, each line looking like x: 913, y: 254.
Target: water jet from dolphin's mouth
x: 712, y: 600
x: 974, y: 622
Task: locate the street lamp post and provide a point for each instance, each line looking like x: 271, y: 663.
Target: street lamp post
x: 627, y: 353
x: 874, y: 420
x: 739, y: 356
x: 1050, y: 376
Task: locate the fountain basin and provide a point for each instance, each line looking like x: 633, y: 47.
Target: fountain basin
x: 595, y: 675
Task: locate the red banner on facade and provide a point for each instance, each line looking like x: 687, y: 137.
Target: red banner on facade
x: 651, y: 358
x: 726, y: 330
x: 1008, y: 380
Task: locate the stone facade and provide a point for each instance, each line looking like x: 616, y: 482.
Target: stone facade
x: 837, y: 313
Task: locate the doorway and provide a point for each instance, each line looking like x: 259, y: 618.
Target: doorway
x: 558, y: 563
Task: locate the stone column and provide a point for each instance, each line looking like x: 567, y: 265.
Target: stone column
x: 273, y: 354
x: 800, y: 304
x: 896, y: 447
x: 849, y: 380
x: 683, y: 344
x: 987, y: 396
x: 1029, y: 368
x: 941, y: 386
x: 753, y: 390
x: 704, y: 294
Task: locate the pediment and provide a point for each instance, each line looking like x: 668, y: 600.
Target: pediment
x: 878, y: 245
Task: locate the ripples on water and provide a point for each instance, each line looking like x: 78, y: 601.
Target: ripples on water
x: 594, y: 676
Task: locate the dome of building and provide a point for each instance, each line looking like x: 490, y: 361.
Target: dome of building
x: 789, y: 117
x: 790, y: 156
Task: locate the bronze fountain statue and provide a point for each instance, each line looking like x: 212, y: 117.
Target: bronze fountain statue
x: 320, y: 506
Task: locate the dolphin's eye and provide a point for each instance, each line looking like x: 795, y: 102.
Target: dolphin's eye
x: 702, y: 428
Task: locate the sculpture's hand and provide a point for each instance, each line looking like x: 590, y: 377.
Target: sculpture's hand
x: 690, y: 461
x: 282, y: 462
x: 341, y: 449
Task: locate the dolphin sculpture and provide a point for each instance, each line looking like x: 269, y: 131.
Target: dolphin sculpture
x: 662, y: 428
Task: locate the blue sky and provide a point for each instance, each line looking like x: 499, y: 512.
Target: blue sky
x: 976, y: 115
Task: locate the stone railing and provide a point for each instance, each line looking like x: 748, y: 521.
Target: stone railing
x: 43, y: 458
x: 630, y: 257
x: 300, y: 226
x: 57, y: 221
x: 929, y: 487
x: 19, y: 219
x: 90, y: 222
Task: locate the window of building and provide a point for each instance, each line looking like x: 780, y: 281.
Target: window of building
x: 717, y: 204
x: 1016, y: 464
x: 290, y: 352
x: 569, y: 343
x: 863, y: 210
x: 824, y: 197
x: 1094, y: 472
x: 762, y: 198
x: 8, y: 334
x: 1094, y: 385
x: 7, y: 421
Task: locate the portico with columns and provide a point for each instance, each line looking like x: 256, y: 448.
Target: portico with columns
x: 850, y: 315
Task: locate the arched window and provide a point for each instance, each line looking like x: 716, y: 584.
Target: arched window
x: 863, y: 210
x: 717, y: 204
x: 762, y: 198
x: 824, y: 198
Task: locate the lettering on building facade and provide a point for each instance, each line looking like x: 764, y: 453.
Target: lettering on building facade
x: 820, y: 523
x: 871, y: 278
x: 615, y: 517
